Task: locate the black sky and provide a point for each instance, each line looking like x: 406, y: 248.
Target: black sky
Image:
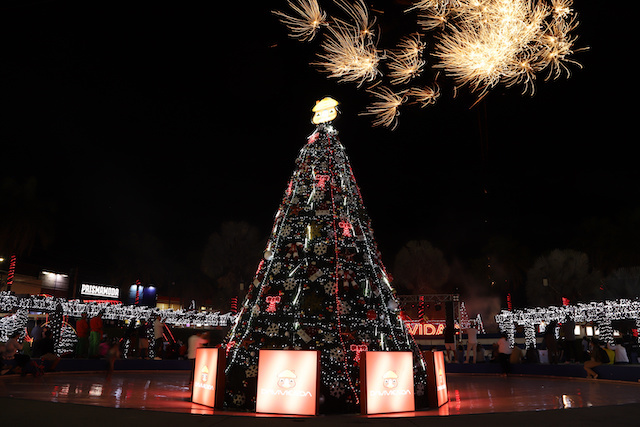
x: 165, y: 119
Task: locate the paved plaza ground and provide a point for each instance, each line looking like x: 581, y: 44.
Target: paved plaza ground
x: 162, y: 398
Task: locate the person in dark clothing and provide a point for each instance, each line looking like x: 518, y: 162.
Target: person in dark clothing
x: 569, y: 340
x: 551, y: 342
x: 45, y: 350
x: 504, y: 354
x: 449, y: 344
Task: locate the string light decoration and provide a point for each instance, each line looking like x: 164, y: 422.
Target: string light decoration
x: 600, y: 313
x: 13, y: 322
x: 479, y: 44
x: 21, y: 306
x: 334, y: 295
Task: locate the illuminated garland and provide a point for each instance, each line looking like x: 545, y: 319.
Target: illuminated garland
x: 60, y: 308
x: 14, y: 322
x: 600, y: 313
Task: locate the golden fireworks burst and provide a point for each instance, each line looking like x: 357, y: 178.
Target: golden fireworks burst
x: 479, y: 44
x: 307, y: 20
x: 385, y: 109
x: 349, y: 55
x: 489, y: 42
x: 425, y: 95
x: 406, y: 62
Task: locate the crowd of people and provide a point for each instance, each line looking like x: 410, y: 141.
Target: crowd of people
x: 31, y: 350
x: 590, y: 352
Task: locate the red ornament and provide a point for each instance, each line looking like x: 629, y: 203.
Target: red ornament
x: 322, y: 180
x: 358, y: 349
x: 346, y: 228
x: 371, y: 315
x: 272, y: 300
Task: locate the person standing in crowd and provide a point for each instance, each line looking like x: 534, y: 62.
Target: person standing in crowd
x: 113, y: 353
x: 158, y: 335
x: 195, y: 341
x: 36, y: 333
x: 95, y: 336
x: 82, y: 330
x: 504, y: 354
x: 551, y: 341
x: 472, y: 342
x: 449, y: 344
x: 143, y: 339
x: 570, y: 343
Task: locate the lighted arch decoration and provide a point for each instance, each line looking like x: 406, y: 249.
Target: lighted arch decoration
x: 600, y: 313
x: 59, y: 308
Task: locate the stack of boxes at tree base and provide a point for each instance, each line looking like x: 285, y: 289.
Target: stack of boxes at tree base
x: 321, y: 284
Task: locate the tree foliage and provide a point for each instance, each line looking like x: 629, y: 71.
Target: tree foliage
x: 562, y: 274
x: 622, y: 283
x: 231, y: 256
x: 420, y: 268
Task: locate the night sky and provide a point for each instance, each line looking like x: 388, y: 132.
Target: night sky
x: 158, y: 122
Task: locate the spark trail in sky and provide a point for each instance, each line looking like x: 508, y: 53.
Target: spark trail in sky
x: 478, y: 44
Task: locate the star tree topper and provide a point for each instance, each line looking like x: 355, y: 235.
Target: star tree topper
x: 325, y: 110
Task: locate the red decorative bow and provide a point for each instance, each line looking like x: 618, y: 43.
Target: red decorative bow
x: 358, y: 349
x: 272, y: 300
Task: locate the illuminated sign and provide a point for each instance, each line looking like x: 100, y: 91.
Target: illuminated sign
x: 99, y: 291
x: 418, y: 328
x: 437, y: 392
x: 386, y: 379
x: 434, y: 327
x: 288, y: 382
x: 208, y: 377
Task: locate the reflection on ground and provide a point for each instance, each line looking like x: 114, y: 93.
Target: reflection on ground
x: 468, y: 394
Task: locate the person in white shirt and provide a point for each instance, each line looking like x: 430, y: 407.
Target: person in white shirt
x: 158, y: 335
x: 621, y: 353
x: 195, y: 341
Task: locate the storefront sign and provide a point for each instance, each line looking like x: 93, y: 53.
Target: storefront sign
x: 208, y: 377
x: 99, y: 291
x: 288, y: 382
x: 386, y: 379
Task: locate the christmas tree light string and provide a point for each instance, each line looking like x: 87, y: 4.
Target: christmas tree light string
x: 322, y: 284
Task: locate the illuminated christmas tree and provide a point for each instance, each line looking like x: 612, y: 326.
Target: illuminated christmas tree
x: 321, y: 284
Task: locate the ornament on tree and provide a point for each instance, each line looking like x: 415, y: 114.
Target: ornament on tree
x: 272, y: 300
x: 358, y: 349
x: 324, y: 265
